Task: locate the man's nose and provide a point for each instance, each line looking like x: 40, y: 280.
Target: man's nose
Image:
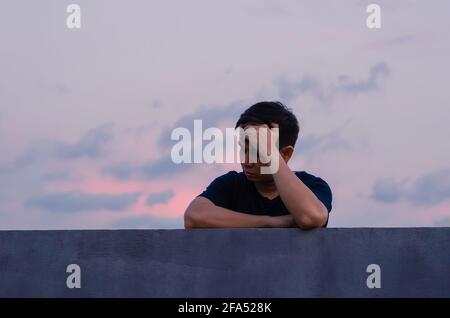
x: 248, y: 164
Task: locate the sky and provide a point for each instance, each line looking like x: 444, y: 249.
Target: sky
x: 86, y: 114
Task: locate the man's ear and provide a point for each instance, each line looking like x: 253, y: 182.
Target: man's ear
x: 286, y: 152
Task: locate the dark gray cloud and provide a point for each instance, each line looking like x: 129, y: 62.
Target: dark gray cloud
x: 148, y: 222
x: 213, y: 116
x: 159, y: 197
x: 70, y: 202
x: 28, y: 157
x: 156, y: 104
x: 442, y: 222
x: 402, y: 40
x: 307, y: 85
x: 162, y: 167
x: 62, y: 89
x: 4, y: 170
x: 56, y: 176
x: 386, y: 190
x: 147, y: 171
x: 92, y: 144
x: 121, y: 170
x: 311, y: 145
x: 324, y: 93
x: 210, y: 116
x: 377, y: 73
x: 36, y: 151
x: 429, y: 189
x: 269, y: 10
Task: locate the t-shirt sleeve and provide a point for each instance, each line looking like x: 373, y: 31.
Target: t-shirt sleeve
x: 321, y: 189
x: 219, y: 191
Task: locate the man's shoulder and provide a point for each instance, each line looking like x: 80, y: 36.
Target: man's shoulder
x: 308, y: 177
x: 304, y: 175
x: 225, y: 184
x: 318, y: 186
x: 231, y: 176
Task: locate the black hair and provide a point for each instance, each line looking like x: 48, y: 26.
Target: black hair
x: 273, y: 112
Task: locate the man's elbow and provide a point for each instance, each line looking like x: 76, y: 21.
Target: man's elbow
x: 189, y: 222
x: 192, y: 217
x: 315, y: 219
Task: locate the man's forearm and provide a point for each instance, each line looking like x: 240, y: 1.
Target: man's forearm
x: 300, y: 201
x: 219, y: 217
x: 212, y: 216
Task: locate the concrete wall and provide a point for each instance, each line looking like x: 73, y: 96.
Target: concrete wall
x: 226, y: 263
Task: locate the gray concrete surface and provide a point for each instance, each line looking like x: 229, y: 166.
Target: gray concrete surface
x: 414, y: 262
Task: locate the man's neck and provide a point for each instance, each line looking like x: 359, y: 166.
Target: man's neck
x: 267, y: 189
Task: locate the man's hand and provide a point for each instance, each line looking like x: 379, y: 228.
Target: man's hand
x: 263, y: 146
x: 283, y: 221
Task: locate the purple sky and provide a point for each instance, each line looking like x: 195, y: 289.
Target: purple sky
x: 86, y: 115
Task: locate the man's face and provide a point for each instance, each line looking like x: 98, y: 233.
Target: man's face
x: 252, y: 170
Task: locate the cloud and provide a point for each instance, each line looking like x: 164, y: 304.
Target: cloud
x: 92, y: 144
x: 429, y: 189
x: 68, y: 202
x: 442, y: 222
x: 333, y: 140
x: 376, y: 74
x: 148, y: 222
x: 56, y: 176
x: 28, y: 157
x: 148, y: 171
x: 159, y: 197
x: 307, y: 85
x: 386, y: 190
x: 4, y: 170
x: 210, y: 116
x: 401, y: 40
x: 214, y: 116
x: 121, y: 170
x: 39, y: 149
x: 156, y: 104
x: 310, y: 85
x: 269, y: 10
x: 162, y: 167
x: 62, y: 89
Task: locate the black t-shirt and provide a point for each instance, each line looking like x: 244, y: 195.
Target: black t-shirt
x: 235, y: 192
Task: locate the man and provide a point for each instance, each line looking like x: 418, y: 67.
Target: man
x: 250, y: 198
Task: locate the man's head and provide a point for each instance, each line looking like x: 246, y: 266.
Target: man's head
x: 271, y: 114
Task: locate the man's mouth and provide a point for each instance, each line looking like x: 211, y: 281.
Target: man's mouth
x: 249, y: 174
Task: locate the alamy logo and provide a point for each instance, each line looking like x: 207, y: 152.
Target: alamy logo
x: 74, y: 279
x: 255, y: 144
x: 73, y: 21
x: 373, y: 21
x: 374, y: 279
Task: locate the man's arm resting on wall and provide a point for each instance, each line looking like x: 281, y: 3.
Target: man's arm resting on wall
x: 202, y: 213
x: 308, y: 211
